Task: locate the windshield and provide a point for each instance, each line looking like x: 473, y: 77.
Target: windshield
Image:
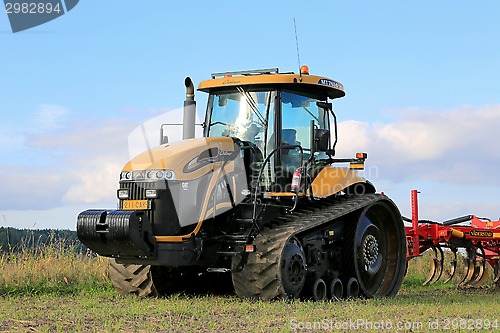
x: 241, y: 114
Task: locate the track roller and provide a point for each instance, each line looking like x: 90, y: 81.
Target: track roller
x: 318, y: 290
x: 336, y: 289
x: 352, y: 289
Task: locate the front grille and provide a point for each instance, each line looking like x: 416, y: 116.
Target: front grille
x: 137, y: 192
x: 163, y: 214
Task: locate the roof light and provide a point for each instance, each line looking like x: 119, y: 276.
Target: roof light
x: 361, y: 156
x: 304, y: 70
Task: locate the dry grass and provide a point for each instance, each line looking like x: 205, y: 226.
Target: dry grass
x: 55, y: 267
x: 56, y: 289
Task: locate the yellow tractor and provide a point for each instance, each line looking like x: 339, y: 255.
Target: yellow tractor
x: 260, y: 203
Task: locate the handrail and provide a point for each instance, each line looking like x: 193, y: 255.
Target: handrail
x: 249, y: 72
x: 266, y: 160
x: 174, y: 124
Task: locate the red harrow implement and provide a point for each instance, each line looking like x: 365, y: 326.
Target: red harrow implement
x: 479, y: 240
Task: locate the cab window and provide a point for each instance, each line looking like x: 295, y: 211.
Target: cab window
x: 297, y: 111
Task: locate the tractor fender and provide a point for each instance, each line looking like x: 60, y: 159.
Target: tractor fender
x: 331, y: 180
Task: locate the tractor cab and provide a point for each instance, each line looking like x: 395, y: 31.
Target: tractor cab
x: 282, y: 117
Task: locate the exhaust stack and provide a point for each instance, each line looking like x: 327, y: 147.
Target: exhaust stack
x: 189, y: 119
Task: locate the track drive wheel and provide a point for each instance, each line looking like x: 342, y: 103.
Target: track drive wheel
x: 129, y: 279
x: 293, y: 268
x: 379, y: 250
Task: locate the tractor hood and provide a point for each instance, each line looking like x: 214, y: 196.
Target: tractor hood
x: 186, y: 160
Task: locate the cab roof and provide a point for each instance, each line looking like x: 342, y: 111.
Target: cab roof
x: 267, y: 78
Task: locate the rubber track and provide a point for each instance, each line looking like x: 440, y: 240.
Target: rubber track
x: 261, y: 276
x: 130, y: 279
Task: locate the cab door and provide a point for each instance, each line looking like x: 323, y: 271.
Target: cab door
x: 297, y: 112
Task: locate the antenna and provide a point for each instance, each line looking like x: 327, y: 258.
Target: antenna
x: 297, y: 45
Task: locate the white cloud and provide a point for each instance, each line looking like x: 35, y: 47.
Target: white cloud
x: 353, y: 137
x: 450, y: 146
x: 91, y: 156
x: 94, y: 137
x: 451, y: 156
x: 31, y: 188
x: 94, y: 182
x: 86, y: 158
x: 80, y: 163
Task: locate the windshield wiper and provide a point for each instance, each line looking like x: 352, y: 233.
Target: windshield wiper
x: 253, y: 105
x: 312, y: 115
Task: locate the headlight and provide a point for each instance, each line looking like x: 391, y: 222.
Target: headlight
x: 126, y: 175
x: 161, y: 174
x: 151, y: 194
x: 147, y: 175
x: 123, y: 194
x: 169, y: 174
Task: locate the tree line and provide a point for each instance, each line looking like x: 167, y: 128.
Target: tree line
x: 16, y: 240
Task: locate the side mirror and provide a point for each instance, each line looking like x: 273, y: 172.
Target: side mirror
x: 325, y: 105
x: 321, y: 139
x: 222, y: 101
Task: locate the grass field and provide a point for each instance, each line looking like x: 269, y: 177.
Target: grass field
x: 57, y: 290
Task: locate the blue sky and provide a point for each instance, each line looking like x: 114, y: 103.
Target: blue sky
x: 421, y: 80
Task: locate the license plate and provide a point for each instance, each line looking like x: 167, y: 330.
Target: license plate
x: 135, y: 204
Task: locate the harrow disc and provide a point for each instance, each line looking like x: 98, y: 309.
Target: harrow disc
x: 481, y: 274
x: 470, y: 264
x: 496, y: 270
x: 453, y: 265
x: 437, y: 266
x: 482, y: 277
